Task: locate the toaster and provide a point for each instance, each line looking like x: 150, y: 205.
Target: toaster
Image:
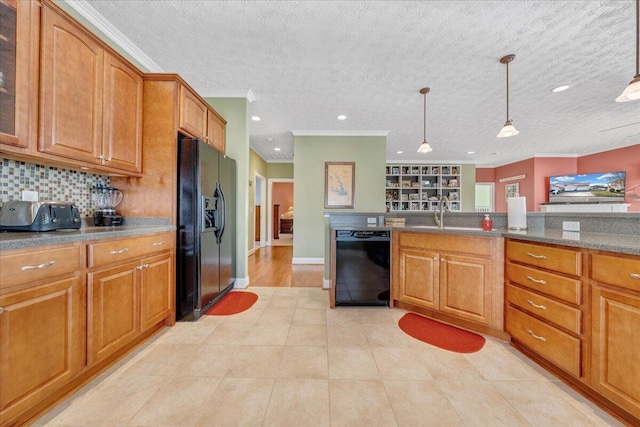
x: 18, y: 215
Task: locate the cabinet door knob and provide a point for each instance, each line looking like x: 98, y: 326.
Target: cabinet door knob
x: 538, y: 337
x: 635, y: 276
x: 140, y: 267
x: 442, y: 260
x: 121, y: 251
x: 435, y: 258
x: 533, y: 304
x: 39, y: 266
x: 536, y: 256
x: 542, y: 282
x: 100, y: 157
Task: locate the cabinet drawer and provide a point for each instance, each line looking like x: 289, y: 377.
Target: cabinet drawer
x: 447, y: 243
x: 555, y: 312
x: 551, y: 343
x: 551, y: 284
x: 108, y: 252
x: 558, y: 259
x: 617, y: 271
x: 28, y: 266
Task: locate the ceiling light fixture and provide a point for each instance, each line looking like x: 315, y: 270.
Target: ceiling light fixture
x: 276, y: 149
x: 255, y: 118
x: 425, y: 147
x: 508, y: 129
x: 471, y: 152
x: 341, y: 117
x: 632, y: 91
x: 399, y: 152
x: 560, y: 88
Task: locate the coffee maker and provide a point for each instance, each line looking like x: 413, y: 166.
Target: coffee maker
x: 106, y: 200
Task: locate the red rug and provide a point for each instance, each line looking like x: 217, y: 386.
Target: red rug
x: 233, y: 303
x: 440, y: 335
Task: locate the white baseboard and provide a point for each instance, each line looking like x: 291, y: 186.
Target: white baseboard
x: 251, y: 251
x: 241, y: 283
x: 326, y: 284
x: 307, y: 261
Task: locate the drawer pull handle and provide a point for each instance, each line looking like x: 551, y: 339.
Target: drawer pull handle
x: 121, y: 251
x: 158, y: 243
x: 142, y: 267
x: 536, y: 256
x: 533, y: 304
x: 34, y: 267
x: 542, y: 282
x: 635, y: 276
x: 530, y: 332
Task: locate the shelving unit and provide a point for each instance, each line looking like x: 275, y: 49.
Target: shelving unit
x: 419, y: 187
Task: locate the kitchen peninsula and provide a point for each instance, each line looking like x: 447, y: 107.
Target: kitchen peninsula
x: 569, y: 300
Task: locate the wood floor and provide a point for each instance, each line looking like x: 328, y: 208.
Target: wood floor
x: 271, y: 266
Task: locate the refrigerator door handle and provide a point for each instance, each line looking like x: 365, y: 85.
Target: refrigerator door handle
x: 223, y: 211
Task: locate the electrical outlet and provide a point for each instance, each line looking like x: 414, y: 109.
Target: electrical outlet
x: 29, y: 196
x: 571, y: 225
x: 571, y: 235
x: 371, y: 221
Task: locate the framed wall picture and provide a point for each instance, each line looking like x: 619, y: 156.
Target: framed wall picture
x: 511, y: 190
x: 339, y: 185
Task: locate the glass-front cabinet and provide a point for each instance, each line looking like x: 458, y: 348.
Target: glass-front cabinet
x: 18, y: 72
x: 420, y: 187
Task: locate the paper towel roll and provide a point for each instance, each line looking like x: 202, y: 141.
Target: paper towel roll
x: 517, y: 213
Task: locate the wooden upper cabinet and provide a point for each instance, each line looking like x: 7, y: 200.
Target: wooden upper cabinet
x: 122, y: 126
x: 193, y: 114
x: 71, y: 90
x: 90, y: 98
x: 216, y: 132
x: 19, y: 29
x: 200, y: 121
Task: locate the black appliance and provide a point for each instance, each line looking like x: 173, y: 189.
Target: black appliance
x: 19, y: 215
x: 363, y: 267
x: 205, y: 267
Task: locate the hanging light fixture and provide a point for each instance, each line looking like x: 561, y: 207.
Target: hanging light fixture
x: 508, y: 129
x: 632, y: 91
x: 425, y: 147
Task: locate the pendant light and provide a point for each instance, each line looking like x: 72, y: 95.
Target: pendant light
x: 508, y: 129
x: 425, y: 147
x: 632, y: 91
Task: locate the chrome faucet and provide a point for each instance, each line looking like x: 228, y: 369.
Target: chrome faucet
x: 439, y: 214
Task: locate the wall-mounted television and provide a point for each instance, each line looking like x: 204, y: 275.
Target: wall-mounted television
x: 605, y: 187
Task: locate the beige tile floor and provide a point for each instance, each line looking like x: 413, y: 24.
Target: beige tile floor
x: 290, y: 361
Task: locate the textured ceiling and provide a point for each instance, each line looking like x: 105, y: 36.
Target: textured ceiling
x: 309, y: 61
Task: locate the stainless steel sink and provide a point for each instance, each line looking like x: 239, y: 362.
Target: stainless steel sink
x: 435, y: 227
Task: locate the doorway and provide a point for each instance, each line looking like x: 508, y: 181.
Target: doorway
x: 260, y: 212
x: 485, y: 197
x: 281, y: 221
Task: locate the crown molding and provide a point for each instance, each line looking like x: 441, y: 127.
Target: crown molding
x: 248, y: 94
x: 90, y: 14
x: 340, y: 132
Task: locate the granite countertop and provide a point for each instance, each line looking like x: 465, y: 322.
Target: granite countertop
x: 620, y: 243
x: 19, y: 240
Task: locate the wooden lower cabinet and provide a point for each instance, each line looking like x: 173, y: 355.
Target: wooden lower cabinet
x: 40, y: 342
x: 435, y: 273
x: 615, y: 329
x: 112, y: 310
x: 156, y: 290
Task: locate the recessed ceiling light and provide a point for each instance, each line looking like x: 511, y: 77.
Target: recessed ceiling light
x: 341, y: 117
x: 399, y: 152
x: 255, y: 118
x: 276, y: 149
x: 495, y: 154
x: 470, y: 152
x: 270, y: 139
x: 560, y: 88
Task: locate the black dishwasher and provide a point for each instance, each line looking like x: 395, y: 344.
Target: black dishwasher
x: 362, y: 267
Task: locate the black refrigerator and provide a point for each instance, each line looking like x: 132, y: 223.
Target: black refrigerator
x: 205, y: 267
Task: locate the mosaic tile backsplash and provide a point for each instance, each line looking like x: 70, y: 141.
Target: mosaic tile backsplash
x: 52, y: 184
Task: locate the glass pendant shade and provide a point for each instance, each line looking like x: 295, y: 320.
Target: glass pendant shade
x: 508, y: 130
x: 425, y: 147
x: 631, y: 92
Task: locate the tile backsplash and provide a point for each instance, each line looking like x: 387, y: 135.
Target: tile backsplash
x: 52, y: 183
